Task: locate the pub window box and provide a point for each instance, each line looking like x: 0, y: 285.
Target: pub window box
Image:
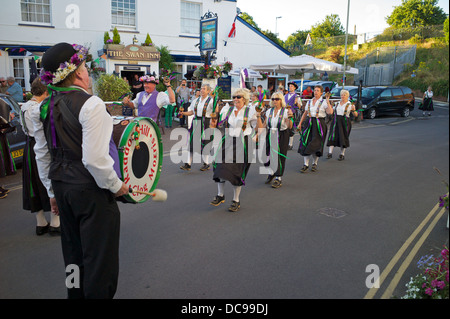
x: 111, y: 46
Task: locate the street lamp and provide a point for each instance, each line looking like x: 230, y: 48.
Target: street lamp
x: 276, y: 25
x: 346, y: 39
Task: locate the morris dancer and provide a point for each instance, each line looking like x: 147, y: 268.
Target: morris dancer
x: 78, y: 132
x: 341, y: 125
x: 279, y: 123
x: 313, y: 135
x: 201, y: 108
x: 149, y: 101
x: 292, y: 100
x: 239, y: 121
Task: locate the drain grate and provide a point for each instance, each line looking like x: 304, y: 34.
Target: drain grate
x: 332, y: 212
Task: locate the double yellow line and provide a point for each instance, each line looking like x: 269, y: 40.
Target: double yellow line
x: 398, y: 275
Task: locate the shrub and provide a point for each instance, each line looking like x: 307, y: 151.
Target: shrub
x: 110, y: 87
x: 106, y: 37
x: 116, y: 36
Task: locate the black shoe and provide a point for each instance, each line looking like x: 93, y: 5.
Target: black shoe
x: 314, y: 168
x: 54, y: 231
x: 341, y: 158
x: 269, y: 179
x: 329, y: 155
x: 218, y: 200
x: 304, y: 169
x: 276, y: 183
x: 290, y: 147
x: 186, y: 167
x: 234, y: 206
x: 41, y: 230
x: 205, y: 167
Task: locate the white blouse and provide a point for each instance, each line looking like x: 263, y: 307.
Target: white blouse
x: 235, y: 121
x: 275, y: 118
x: 340, y: 109
x: 200, y: 106
x: 320, y: 104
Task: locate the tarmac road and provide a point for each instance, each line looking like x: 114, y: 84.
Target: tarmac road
x: 311, y: 239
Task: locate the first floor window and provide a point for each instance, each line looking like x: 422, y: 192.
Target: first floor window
x: 123, y: 12
x: 190, y: 17
x: 36, y: 11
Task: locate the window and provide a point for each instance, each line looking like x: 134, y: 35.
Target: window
x: 190, y: 18
x: 386, y: 94
x: 123, y: 12
x: 397, y: 93
x: 19, y: 71
x: 36, y: 11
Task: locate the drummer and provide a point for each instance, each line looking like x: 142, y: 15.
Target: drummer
x: 149, y: 101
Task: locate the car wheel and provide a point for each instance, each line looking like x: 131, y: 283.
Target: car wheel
x: 405, y: 112
x: 371, y: 114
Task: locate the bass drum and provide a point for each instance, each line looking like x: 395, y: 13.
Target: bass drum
x: 139, y: 143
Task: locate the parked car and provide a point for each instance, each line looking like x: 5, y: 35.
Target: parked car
x: 376, y: 100
x: 17, y: 138
x: 336, y: 91
x: 312, y: 84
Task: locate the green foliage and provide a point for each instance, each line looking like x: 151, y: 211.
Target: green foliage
x: 297, y: 38
x: 329, y: 27
x: 110, y: 87
x: 446, y: 29
x: 249, y: 19
x: 166, y: 62
x: 116, y: 36
x: 416, y: 13
x: 106, y: 37
x: 148, y: 40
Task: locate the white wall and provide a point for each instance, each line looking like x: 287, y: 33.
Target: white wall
x: 163, y: 25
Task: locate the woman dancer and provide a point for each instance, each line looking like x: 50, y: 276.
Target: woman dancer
x: 238, y: 121
x: 341, y: 125
x: 313, y: 135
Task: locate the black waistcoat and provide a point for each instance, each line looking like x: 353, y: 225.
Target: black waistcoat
x: 66, y: 158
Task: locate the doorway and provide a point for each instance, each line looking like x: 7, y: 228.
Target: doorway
x: 130, y: 77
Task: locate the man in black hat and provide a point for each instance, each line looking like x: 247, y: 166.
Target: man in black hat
x: 78, y: 132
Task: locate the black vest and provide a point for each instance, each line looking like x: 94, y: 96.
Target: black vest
x: 66, y: 158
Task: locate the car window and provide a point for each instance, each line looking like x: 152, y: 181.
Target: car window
x: 370, y: 93
x: 386, y: 93
x: 406, y: 90
x: 397, y: 93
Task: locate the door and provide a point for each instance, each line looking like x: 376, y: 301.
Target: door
x: 385, y: 100
x: 397, y: 96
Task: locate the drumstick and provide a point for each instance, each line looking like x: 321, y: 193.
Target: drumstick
x: 158, y: 195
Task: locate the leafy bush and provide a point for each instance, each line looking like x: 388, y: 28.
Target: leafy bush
x: 110, y: 87
x: 106, y: 37
x: 116, y: 36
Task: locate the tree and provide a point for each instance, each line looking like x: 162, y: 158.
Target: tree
x: 416, y: 13
x: 297, y: 38
x: 249, y: 19
x: 329, y: 27
x: 446, y: 29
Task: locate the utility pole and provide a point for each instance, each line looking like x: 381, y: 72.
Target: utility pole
x: 346, y: 39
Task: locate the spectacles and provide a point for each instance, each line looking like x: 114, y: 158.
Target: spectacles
x: 3, y: 81
x: 276, y: 99
x: 237, y: 97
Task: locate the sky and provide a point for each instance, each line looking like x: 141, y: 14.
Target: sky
x: 369, y: 16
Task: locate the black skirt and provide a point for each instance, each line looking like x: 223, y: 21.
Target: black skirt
x: 7, y: 166
x: 280, y: 154
x: 312, y: 137
x: 34, y: 193
x: 199, y: 125
x: 427, y: 104
x: 234, y: 163
x: 340, y: 128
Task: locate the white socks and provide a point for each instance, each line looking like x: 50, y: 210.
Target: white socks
x: 220, y: 188
x: 237, y: 192
x: 42, y: 221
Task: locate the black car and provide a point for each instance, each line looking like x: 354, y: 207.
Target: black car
x: 17, y: 138
x: 376, y: 100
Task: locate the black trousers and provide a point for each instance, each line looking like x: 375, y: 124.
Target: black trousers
x: 90, y: 229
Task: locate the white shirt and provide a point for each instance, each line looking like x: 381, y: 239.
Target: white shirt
x: 275, y: 118
x: 428, y: 94
x: 40, y: 148
x: 321, y: 103
x: 235, y: 121
x: 27, y: 110
x: 97, y: 126
x: 340, y: 109
x: 200, y: 106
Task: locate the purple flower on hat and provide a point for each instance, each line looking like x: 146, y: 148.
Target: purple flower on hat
x: 46, y: 76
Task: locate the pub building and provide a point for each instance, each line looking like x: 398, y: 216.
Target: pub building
x: 29, y: 28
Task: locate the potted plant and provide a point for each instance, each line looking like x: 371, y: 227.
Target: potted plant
x: 113, y: 44
x: 110, y: 88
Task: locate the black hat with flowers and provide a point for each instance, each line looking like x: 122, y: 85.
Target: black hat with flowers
x: 60, y: 61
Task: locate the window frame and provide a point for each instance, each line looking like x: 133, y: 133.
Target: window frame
x: 124, y: 26
x: 25, y: 2
x: 194, y: 21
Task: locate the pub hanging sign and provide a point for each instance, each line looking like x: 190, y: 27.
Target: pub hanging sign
x: 134, y: 53
x: 208, y: 32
